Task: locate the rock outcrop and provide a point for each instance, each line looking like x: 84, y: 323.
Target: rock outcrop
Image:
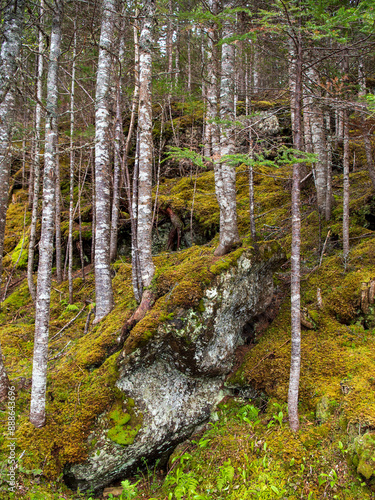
x: 171, y: 384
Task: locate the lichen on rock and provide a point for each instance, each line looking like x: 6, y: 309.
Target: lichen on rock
x: 175, y: 376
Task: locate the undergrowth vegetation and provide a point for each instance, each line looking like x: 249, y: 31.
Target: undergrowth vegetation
x: 247, y: 450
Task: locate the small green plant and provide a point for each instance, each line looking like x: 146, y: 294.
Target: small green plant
x: 226, y: 475
x: 72, y: 308
x: 129, y: 490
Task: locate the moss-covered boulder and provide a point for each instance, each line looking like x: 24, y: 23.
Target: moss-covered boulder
x: 364, y: 455
x: 175, y: 370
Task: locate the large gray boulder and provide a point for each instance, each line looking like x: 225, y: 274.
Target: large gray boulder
x: 172, y: 384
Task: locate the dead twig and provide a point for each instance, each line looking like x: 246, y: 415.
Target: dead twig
x: 69, y: 323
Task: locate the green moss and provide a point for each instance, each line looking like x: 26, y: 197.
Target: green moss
x: 125, y: 424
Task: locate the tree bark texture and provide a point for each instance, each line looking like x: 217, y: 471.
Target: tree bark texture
x: 212, y: 132
x: 58, y: 252
x: 103, y: 281
x: 117, y: 159
x: 144, y: 226
x: 10, y: 49
x: 71, y: 167
x: 295, y: 366
x: 36, y: 162
x: 43, y: 296
x: 346, y: 185
x: 225, y: 175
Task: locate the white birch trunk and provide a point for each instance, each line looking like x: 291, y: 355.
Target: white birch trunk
x: 318, y: 142
x: 36, y: 166
x: 295, y: 364
x: 361, y: 78
x: 225, y: 175
x: 103, y: 281
x: 10, y: 49
x: 144, y: 226
x: 39, y: 375
x: 346, y: 185
x: 71, y: 166
x: 12, y: 30
x: 117, y: 160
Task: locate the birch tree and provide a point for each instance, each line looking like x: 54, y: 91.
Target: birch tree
x: 225, y: 174
x: 71, y: 165
x: 43, y: 293
x: 118, y: 136
x: 10, y: 49
x: 144, y: 226
x: 103, y: 281
x: 36, y: 162
x: 12, y: 29
x: 212, y: 134
x: 295, y: 365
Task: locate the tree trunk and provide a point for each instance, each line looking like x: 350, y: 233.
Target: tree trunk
x: 295, y: 366
x: 71, y: 166
x: 144, y: 227
x: 58, y: 252
x: 212, y: 135
x: 117, y: 159
x: 10, y: 48
x: 346, y: 184
x: 42, y: 311
x: 225, y: 175
x: 318, y: 142
x: 103, y: 281
x: 36, y: 176
x: 328, y: 210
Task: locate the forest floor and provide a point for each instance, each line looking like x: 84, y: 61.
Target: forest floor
x: 246, y: 451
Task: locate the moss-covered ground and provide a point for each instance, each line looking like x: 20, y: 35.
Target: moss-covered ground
x: 247, y: 451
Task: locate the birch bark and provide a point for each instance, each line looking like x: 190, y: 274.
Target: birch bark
x: 212, y: 133
x: 225, y: 175
x: 43, y: 296
x: 71, y: 166
x: 295, y: 365
x: 118, y: 157
x: 103, y: 281
x: 12, y: 30
x: 346, y: 186
x: 144, y: 226
x: 36, y: 166
x: 10, y: 48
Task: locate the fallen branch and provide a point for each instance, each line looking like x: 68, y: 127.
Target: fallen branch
x: 324, y: 247
x: 60, y: 352
x: 69, y: 323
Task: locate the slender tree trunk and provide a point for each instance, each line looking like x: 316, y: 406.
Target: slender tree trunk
x: 361, y: 78
x: 295, y: 366
x: 71, y: 166
x: 36, y: 166
x: 169, y: 41
x: 12, y: 29
x: 144, y: 226
x: 319, y: 143
x: 346, y: 184
x: 117, y: 160
x: 225, y: 174
x: 59, y: 276
x: 328, y: 210
x: 212, y: 138
x: 103, y: 281
x: 10, y: 48
x: 42, y: 311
